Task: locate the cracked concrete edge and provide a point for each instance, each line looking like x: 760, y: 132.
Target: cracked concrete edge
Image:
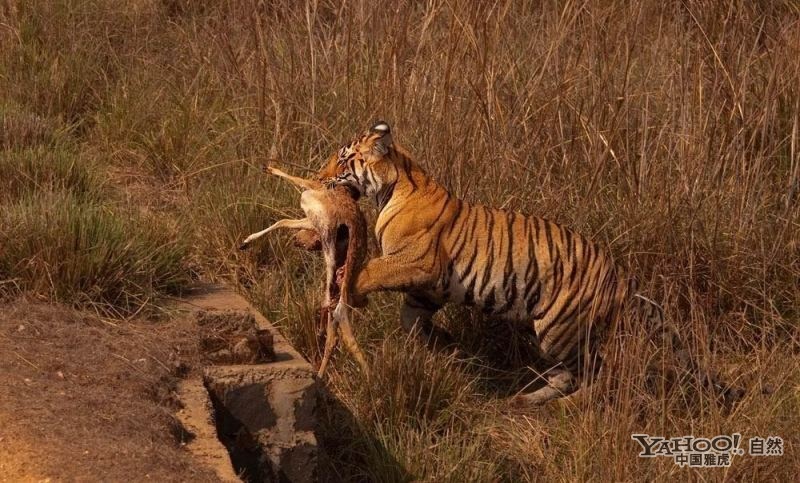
x: 218, y: 297
x: 197, y: 417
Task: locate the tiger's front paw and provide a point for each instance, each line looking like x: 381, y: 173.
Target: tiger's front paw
x: 359, y: 301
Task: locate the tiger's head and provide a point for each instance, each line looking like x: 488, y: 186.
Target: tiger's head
x: 365, y: 166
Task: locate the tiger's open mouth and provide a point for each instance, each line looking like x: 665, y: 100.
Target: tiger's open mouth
x: 353, y: 191
x: 352, y: 188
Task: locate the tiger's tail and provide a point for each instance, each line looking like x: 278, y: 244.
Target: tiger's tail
x: 659, y: 327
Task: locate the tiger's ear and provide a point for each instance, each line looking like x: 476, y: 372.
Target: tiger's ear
x: 383, y: 137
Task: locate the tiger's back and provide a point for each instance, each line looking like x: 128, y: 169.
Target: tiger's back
x: 522, y: 268
x: 534, y: 271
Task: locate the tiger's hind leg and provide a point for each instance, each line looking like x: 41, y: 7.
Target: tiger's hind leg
x: 416, y: 316
x: 560, y: 382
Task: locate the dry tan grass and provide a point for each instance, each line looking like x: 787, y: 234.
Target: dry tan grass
x: 669, y: 130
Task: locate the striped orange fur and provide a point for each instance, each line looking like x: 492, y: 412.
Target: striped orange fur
x: 439, y: 249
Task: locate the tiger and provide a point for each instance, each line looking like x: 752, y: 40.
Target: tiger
x: 439, y: 249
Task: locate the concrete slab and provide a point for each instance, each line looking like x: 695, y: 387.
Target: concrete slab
x: 271, y: 406
x: 265, y: 413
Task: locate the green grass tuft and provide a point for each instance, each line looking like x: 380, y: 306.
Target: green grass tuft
x: 40, y: 170
x: 78, y: 252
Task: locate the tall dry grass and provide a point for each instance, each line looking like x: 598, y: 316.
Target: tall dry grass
x: 667, y: 130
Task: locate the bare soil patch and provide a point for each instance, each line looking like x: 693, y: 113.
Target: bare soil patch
x: 86, y: 399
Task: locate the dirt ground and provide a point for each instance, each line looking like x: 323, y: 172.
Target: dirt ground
x: 86, y: 399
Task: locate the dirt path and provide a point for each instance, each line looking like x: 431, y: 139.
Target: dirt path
x: 82, y: 399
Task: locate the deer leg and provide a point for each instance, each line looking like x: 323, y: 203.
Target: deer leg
x: 300, y: 182
x: 303, y: 224
x: 342, y: 316
x: 330, y: 344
